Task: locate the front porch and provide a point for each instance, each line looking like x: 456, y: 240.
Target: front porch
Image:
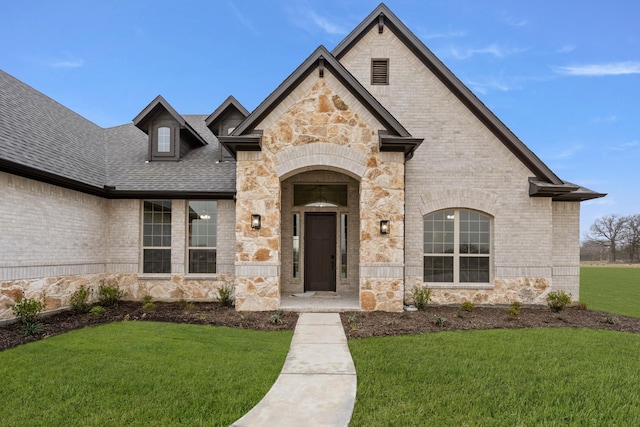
x: 327, y: 302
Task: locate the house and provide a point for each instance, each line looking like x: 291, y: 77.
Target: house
x: 370, y: 170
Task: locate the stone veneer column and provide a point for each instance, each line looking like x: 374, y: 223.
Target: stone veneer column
x: 382, y: 256
x: 257, y: 251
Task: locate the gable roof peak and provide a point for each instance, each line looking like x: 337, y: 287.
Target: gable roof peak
x: 230, y: 102
x: 330, y: 62
x: 457, y: 88
x: 144, y: 119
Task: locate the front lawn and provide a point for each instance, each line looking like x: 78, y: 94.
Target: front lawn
x: 611, y: 289
x: 140, y: 374
x: 555, y: 376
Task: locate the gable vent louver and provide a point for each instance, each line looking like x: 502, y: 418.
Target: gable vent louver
x: 380, y: 71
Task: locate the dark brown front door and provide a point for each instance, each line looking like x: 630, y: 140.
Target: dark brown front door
x: 320, y: 252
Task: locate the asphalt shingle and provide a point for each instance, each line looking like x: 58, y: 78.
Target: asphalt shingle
x: 40, y: 133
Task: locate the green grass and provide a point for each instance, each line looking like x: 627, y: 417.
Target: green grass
x: 611, y: 289
x: 140, y: 374
x: 498, y: 378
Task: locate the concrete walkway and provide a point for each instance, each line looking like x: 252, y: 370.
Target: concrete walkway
x: 317, y: 385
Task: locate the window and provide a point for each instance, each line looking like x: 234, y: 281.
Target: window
x: 156, y: 237
x: 379, y: 71
x: 164, y: 139
x: 296, y: 245
x: 457, y: 247
x: 202, y: 236
x: 343, y: 246
x: 320, y: 195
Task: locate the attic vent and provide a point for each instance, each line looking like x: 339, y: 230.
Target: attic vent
x: 380, y: 71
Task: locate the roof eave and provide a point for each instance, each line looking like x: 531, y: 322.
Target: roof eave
x: 565, y: 192
x: 406, y: 145
x: 233, y: 144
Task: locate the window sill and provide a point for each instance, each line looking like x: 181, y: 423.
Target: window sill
x: 154, y: 276
x: 201, y: 276
x: 459, y: 285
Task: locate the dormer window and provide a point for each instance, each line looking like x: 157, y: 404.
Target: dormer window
x: 164, y: 139
x: 170, y: 135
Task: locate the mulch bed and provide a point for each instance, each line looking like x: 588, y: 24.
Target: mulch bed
x: 356, y: 324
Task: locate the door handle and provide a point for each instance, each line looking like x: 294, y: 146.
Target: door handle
x: 333, y: 262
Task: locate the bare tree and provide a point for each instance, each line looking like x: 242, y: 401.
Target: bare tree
x: 631, y: 237
x: 608, y: 231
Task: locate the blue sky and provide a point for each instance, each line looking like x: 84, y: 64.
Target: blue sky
x: 562, y: 75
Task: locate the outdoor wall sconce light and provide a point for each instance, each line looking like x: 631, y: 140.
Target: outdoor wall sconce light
x: 256, y: 221
x: 384, y: 226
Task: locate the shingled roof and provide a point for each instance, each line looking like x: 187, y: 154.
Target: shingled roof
x: 44, y: 140
x: 40, y: 136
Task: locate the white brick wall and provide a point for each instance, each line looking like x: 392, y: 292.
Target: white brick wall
x: 566, y: 248
x: 49, y: 231
x: 460, y: 164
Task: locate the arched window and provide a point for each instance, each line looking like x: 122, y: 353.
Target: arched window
x: 457, y: 247
x: 164, y: 139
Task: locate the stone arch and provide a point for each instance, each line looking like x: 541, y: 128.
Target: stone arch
x: 327, y: 156
x: 479, y: 200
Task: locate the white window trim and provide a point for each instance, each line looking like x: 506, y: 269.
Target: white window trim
x: 456, y: 255
x: 142, y: 274
x: 188, y: 247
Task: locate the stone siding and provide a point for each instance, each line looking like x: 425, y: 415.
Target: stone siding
x: 320, y: 115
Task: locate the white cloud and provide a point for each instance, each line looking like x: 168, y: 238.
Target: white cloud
x: 566, y: 49
x: 246, y: 22
x: 326, y: 24
x: 308, y: 19
x: 66, y: 63
x: 626, y: 146
x: 487, y: 85
x: 493, y: 49
x: 566, y: 152
x: 443, y: 35
x: 610, y: 69
x: 606, y: 119
x: 512, y: 21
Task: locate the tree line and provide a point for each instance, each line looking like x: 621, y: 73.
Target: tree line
x: 613, y: 238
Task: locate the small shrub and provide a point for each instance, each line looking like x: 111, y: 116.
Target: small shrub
x: 190, y: 307
x: 467, y: 306
x: 27, y: 312
x: 225, y: 295
x: 610, y: 320
x: 421, y: 297
x: 581, y: 306
x: 97, y: 310
x: 276, y: 318
x: 147, y: 299
x: 148, y: 306
x: 514, y: 308
x: 80, y: 299
x: 109, y: 295
x: 558, y: 300
x: 439, y: 320
x: 353, y: 322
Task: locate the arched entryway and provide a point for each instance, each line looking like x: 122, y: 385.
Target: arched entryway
x: 320, y: 225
